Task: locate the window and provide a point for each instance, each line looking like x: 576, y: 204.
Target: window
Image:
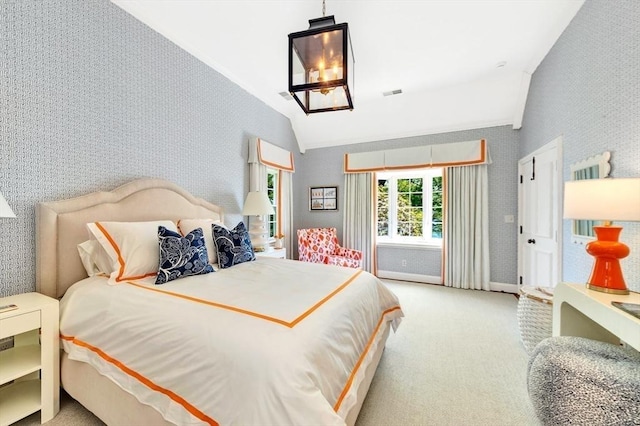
x: 272, y: 193
x: 410, y: 206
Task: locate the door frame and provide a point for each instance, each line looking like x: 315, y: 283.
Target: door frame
x: 555, y: 144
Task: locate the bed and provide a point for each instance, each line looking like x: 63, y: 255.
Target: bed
x: 269, y: 341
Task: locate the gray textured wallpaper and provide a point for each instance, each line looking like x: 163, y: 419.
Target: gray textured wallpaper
x: 587, y: 89
x: 419, y: 261
x: 91, y: 98
x: 324, y: 167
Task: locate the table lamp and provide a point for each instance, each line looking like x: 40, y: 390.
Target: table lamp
x: 257, y: 204
x: 606, y: 200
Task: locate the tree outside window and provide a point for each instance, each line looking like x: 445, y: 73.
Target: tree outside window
x: 410, y: 206
x: 436, y: 207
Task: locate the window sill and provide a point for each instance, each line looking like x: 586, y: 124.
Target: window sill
x: 413, y: 244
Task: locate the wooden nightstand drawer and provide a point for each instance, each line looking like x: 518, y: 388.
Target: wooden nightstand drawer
x: 19, y: 324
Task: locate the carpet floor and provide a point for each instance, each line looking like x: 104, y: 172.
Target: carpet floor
x: 456, y: 360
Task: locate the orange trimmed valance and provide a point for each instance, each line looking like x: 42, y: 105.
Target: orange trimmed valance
x: 261, y: 151
x: 442, y: 155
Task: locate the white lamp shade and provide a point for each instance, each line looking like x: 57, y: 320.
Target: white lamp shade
x: 257, y: 204
x: 5, y: 210
x: 602, y: 199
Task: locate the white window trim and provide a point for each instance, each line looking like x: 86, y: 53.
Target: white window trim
x: 433, y: 244
x: 427, y: 196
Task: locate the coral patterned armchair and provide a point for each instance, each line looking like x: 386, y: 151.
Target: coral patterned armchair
x: 320, y: 245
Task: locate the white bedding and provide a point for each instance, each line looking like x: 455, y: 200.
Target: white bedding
x: 270, y: 342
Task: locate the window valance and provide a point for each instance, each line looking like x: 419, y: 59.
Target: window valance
x: 442, y: 155
x: 263, y: 152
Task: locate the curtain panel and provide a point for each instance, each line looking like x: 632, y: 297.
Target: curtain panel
x: 285, y: 210
x: 466, y: 230
x: 359, y: 217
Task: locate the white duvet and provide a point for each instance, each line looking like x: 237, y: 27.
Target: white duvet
x: 270, y: 342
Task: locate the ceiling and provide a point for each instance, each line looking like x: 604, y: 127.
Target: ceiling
x: 461, y: 64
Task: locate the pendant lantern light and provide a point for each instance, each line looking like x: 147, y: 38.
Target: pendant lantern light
x: 321, y: 66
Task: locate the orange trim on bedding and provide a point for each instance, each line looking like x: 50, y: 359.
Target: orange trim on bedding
x: 347, y: 386
x: 115, y: 247
x: 120, y: 277
x: 210, y: 303
x: 250, y: 313
x: 329, y: 296
x: 151, y: 385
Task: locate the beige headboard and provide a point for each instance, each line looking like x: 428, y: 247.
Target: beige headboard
x: 61, y: 225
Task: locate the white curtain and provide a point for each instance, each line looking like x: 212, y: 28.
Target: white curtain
x: 285, y: 210
x: 257, y: 182
x: 257, y: 177
x: 359, y: 217
x: 466, y: 236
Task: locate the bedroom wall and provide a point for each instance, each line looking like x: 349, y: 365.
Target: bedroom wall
x: 587, y: 89
x: 324, y: 167
x: 90, y: 99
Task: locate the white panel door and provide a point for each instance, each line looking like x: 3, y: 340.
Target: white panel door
x: 539, y: 217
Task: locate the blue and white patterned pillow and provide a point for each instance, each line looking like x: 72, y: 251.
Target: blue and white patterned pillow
x: 233, y: 246
x: 181, y: 256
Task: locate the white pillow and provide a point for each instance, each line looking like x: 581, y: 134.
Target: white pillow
x: 94, y: 258
x: 132, y: 247
x: 187, y: 225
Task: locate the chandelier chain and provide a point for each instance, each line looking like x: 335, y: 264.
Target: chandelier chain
x: 324, y: 8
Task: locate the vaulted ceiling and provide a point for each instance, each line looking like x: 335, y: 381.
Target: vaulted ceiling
x: 461, y: 64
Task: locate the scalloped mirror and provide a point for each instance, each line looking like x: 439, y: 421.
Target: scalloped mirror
x: 596, y: 167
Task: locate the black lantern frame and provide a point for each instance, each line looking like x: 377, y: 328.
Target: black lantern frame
x: 323, y: 49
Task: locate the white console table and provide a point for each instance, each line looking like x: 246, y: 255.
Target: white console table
x: 578, y: 311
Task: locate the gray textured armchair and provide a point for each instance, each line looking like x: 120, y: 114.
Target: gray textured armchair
x: 578, y: 381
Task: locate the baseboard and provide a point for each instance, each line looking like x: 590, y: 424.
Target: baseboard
x: 504, y: 287
x: 433, y: 279
x: 402, y: 276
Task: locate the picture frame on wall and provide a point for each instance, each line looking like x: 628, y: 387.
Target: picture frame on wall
x: 323, y: 198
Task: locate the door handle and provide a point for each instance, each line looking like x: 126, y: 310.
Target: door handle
x: 531, y: 241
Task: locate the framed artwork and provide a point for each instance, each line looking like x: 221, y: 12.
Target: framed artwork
x: 323, y: 198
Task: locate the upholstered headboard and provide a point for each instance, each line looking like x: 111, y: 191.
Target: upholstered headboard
x: 61, y: 225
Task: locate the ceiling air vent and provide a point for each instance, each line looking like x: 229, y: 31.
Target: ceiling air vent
x: 392, y: 92
x: 286, y: 95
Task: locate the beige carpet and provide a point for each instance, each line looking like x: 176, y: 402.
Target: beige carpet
x: 456, y: 360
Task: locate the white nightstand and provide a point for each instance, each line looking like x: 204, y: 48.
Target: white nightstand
x: 33, y: 364
x: 271, y: 252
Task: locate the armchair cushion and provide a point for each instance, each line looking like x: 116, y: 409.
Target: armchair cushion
x: 349, y: 253
x: 320, y: 245
x: 342, y: 261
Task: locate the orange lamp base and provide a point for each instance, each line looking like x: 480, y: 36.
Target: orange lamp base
x: 606, y: 275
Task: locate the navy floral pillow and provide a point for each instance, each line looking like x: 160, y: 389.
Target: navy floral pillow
x: 181, y: 256
x: 233, y: 246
